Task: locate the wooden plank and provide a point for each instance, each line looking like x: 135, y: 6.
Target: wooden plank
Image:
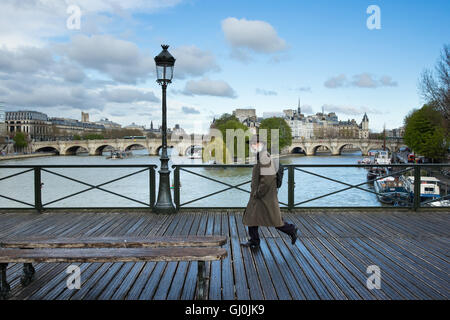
x: 182, y: 275
x: 110, y: 255
x: 190, y: 283
x: 239, y: 272
x: 256, y: 290
x: 114, y: 242
x: 215, y: 278
x: 226, y: 265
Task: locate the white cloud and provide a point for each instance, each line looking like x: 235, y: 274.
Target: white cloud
x: 122, y: 60
x: 192, y: 61
x: 189, y: 110
x: 252, y: 36
x: 350, y: 110
x: 362, y: 80
x: 387, y: 81
x: 208, y: 87
x: 127, y: 95
x: 335, y: 82
x: 266, y: 92
x: 32, y: 22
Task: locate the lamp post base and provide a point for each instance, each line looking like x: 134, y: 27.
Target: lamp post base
x: 164, y: 204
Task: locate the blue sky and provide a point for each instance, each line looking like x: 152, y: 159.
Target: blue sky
x: 230, y: 54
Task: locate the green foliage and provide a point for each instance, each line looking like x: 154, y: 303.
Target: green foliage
x: 93, y: 136
x: 20, y: 140
x: 123, y: 132
x: 233, y: 124
x: 223, y: 119
x: 425, y: 134
x: 76, y: 137
x: 285, y: 131
x: 224, y: 123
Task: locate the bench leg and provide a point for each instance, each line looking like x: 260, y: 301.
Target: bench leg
x: 202, y: 283
x: 27, y: 275
x: 4, y: 285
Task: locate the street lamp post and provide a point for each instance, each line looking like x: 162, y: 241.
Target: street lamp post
x: 164, y: 71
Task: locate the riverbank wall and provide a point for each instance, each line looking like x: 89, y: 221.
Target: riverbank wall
x: 25, y: 156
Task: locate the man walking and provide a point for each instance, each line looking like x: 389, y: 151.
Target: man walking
x: 262, y: 208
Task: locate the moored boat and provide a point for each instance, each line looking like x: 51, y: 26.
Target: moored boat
x: 392, y: 190
x: 429, y: 187
x: 376, y: 172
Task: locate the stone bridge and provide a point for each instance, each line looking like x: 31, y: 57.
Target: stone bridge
x: 96, y: 147
x: 306, y: 146
x: 335, y: 146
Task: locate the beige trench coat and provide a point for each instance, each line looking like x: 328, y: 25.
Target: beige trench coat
x: 262, y: 208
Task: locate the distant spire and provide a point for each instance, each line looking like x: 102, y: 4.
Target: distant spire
x: 151, y: 125
x: 299, y: 110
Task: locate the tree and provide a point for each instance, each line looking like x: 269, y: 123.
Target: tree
x: 76, y: 137
x: 20, y: 140
x: 435, y: 86
x: 93, y: 136
x: 120, y: 133
x: 285, y: 131
x: 232, y: 124
x: 424, y: 133
x: 223, y: 119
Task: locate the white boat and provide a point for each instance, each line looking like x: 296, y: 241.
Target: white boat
x: 429, y: 187
x: 382, y: 157
x: 392, y: 191
x: 195, y: 155
x: 440, y: 203
x: 365, y: 160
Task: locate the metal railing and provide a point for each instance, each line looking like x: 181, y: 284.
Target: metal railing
x: 291, y: 186
x: 38, y: 190
x: 413, y: 203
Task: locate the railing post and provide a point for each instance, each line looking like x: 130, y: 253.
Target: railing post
x: 152, y: 189
x: 416, y: 187
x: 37, y: 189
x: 176, y: 187
x: 291, y: 187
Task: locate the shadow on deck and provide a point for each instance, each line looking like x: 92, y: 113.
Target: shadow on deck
x: 329, y: 261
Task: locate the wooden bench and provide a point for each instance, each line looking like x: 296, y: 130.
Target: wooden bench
x: 109, y: 249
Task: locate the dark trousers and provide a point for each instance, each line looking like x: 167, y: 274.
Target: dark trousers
x: 287, y: 228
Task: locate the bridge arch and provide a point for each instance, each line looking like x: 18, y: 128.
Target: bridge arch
x: 99, y: 150
x: 298, y: 150
x: 316, y: 147
x: 356, y: 146
x: 72, y: 151
x: 48, y: 149
x: 135, y: 144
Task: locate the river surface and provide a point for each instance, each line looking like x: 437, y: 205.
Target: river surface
x: 136, y: 187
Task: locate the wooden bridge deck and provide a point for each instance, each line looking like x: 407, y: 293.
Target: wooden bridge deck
x: 328, y: 262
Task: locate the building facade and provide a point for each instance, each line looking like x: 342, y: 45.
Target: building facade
x: 34, y: 124
x: 3, y: 129
x: 64, y: 128
x: 324, y: 126
x: 108, y: 124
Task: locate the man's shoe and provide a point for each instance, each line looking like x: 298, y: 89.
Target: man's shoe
x: 294, y: 236
x: 250, y: 244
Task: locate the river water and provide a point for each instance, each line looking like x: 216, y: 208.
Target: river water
x: 192, y: 187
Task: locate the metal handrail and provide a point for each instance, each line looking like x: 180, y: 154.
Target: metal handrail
x: 38, y: 183
x: 415, y: 204
x: 291, y: 168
